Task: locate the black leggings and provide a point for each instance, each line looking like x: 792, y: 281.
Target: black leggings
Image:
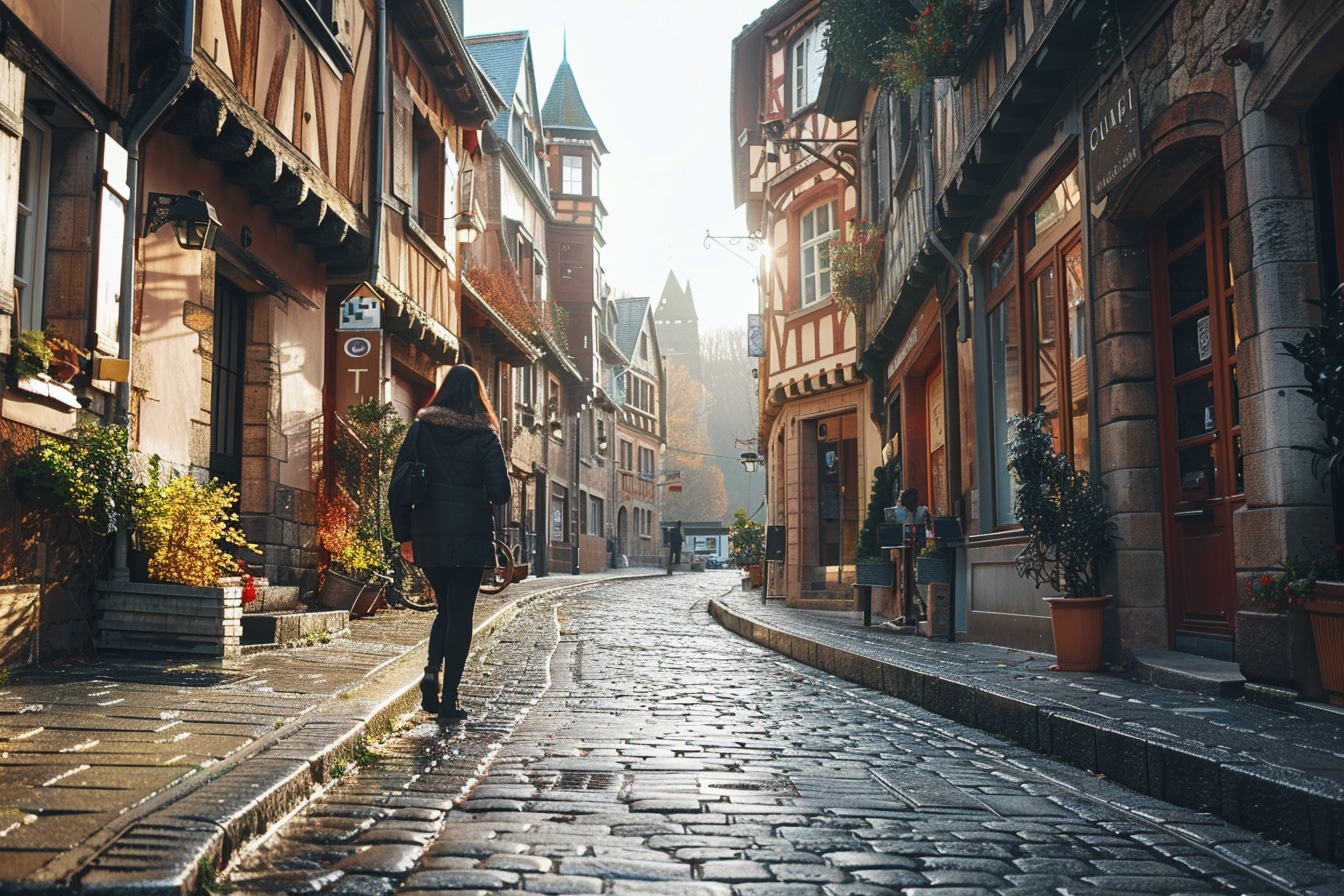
x: 455, y: 590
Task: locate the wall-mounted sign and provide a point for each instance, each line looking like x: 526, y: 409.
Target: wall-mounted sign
x: 1112, y: 143
x: 361, y: 310
x: 359, y: 362
x: 755, y: 336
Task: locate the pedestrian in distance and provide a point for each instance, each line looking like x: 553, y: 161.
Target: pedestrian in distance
x: 448, y: 530
x: 674, y: 541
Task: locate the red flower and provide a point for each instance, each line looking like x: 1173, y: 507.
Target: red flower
x: 1265, y: 580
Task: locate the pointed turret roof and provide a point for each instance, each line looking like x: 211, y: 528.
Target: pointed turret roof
x: 564, y: 112
x: 676, y: 303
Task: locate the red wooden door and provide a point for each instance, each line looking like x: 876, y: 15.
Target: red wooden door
x: 1195, y: 331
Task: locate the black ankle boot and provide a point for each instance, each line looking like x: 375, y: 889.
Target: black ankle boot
x: 429, y: 693
x: 449, y: 711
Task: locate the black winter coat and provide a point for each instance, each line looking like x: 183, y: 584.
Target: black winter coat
x: 451, y: 525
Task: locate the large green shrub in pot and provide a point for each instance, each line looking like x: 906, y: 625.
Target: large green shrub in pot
x: 1320, y: 351
x: 1062, y: 511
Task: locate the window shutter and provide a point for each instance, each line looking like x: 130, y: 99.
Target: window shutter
x: 403, y: 142
x: 11, y: 135
x: 111, y: 237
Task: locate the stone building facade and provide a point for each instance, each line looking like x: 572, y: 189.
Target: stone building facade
x: 1131, y: 207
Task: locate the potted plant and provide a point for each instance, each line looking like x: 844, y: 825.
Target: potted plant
x: 1320, y: 351
x: 854, y: 265
x: 66, y: 358
x: 746, y: 546
x: 1069, y: 532
x: 933, y: 566
x: 872, y: 565
x: 193, y: 597
x: 32, y: 355
x: 353, y: 521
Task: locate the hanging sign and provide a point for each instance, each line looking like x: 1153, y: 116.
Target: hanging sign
x: 361, y: 310
x: 755, y: 336
x: 359, y: 361
x: 1112, y: 143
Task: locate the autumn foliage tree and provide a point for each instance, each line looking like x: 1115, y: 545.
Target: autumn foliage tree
x: 689, y: 450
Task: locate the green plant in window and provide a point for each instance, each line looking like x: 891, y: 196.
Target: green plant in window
x: 32, y: 355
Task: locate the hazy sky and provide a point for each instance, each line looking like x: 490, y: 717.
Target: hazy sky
x: 654, y: 77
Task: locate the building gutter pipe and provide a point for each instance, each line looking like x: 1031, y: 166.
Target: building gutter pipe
x: 379, y: 148
x: 131, y: 139
x: 926, y: 158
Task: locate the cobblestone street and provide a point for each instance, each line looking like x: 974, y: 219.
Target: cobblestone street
x: 620, y: 741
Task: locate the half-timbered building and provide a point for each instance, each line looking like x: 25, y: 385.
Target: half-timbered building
x: 794, y: 172
x: 640, y: 391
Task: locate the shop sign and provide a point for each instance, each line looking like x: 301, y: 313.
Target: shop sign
x: 1112, y: 137
x: 359, y: 361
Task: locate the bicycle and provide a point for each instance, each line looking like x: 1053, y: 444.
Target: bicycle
x: 506, y: 559
x: 406, y: 583
x: 408, y: 586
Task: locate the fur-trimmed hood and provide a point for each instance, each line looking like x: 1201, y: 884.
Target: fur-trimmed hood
x: 440, y: 416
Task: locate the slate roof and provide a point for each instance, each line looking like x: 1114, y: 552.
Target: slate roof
x: 631, y: 313
x: 564, y: 111
x: 501, y: 57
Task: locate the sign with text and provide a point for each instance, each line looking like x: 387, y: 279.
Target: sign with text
x: 359, y: 361
x: 1112, y: 137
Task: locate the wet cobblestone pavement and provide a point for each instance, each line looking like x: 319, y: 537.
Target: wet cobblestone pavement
x: 620, y: 741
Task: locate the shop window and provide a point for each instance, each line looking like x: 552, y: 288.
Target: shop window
x: 816, y: 230
x: 1037, y: 331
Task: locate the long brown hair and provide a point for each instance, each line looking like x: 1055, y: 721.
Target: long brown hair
x: 462, y: 391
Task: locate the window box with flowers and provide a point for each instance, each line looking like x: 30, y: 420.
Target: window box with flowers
x: 933, y: 566
x: 899, y: 45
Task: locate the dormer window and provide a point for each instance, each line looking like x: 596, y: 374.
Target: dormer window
x: 807, y: 59
x: 571, y: 175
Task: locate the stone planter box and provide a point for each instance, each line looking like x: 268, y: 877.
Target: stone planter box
x: 1278, y: 649
x: 159, y: 618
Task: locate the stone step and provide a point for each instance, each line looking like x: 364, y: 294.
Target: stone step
x: 1189, y: 672
x: 273, y: 598
x: 267, y: 630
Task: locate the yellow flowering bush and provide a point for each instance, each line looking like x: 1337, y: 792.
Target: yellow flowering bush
x: 185, y: 525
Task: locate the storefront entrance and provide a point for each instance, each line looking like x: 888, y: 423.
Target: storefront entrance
x: 1195, y: 333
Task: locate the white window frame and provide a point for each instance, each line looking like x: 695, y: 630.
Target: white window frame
x: 571, y: 175
x: 814, y: 254
x: 30, y: 254
x: 807, y: 61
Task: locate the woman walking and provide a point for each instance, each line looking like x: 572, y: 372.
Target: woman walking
x: 448, y: 530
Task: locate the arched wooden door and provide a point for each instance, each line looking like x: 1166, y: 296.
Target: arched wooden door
x: 1195, y: 330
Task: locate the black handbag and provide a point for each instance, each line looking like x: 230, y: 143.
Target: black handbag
x: 409, y: 479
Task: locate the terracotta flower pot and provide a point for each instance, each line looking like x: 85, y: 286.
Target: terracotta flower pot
x: 1076, y: 623
x: 1327, y: 628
